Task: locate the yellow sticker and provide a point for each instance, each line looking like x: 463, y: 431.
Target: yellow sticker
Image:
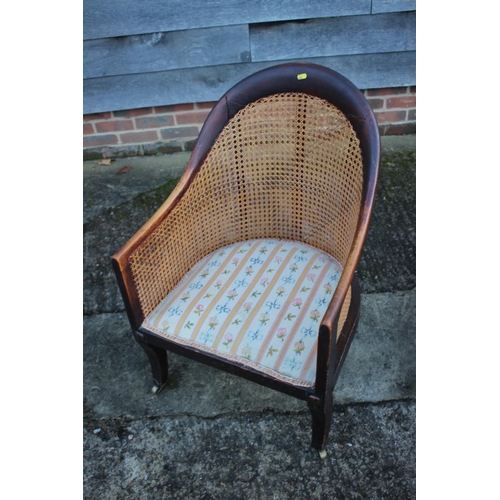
x: 302, y: 76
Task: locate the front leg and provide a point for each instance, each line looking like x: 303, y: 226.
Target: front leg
x: 321, y: 412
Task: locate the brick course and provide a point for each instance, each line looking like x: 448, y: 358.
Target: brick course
x: 401, y: 102
x: 155, y: 121
x: 96, y: 116
x: 88, y: 128
x: 176, y: 127
x: 114, y: 125
x: 390, y: 116
x: 138, y: 137
x: 189, y: 118
x: 99, y: 140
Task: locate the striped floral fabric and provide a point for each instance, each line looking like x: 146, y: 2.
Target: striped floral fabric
x: 258, y: 302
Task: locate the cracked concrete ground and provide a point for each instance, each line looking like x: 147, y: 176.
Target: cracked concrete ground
x: 211, y: 435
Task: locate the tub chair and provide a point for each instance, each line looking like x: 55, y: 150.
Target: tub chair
x: 249, y: 265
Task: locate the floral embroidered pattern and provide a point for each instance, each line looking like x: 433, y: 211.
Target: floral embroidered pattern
x: 281, y: 333
x: 259, y: 301
x: 228, y: 338
x: 299, y: 347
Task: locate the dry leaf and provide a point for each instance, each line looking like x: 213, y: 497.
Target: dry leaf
x: 104, y: 162
x: 124, y: 170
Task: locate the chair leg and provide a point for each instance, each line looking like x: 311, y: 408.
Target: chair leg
x: 158, y: 361
x: 321, y: 412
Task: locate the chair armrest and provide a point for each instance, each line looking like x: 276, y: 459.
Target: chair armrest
x: 121, y: 259
x: 329, y: 327
x: 328, y: 334
x: 371, y: 161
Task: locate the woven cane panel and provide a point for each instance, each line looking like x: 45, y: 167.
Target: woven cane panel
x: 287, y: 166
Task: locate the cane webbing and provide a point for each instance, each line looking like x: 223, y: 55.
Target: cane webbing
x: 287, y: 166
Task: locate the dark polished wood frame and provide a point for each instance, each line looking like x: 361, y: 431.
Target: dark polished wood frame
x: 331, y: 86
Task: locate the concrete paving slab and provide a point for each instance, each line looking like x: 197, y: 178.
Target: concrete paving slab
x: 262, y: 456
x: 381, y: 364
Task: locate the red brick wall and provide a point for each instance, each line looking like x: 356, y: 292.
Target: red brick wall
x: 395, y: 109
x: 168, y: 129
x: 162, y: 129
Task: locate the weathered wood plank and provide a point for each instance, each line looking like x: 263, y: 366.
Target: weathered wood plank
x: 210, y: 83
x: 335, y: 36
x: 381, y: 6
x: 165, y: 51
x: 110, y: 18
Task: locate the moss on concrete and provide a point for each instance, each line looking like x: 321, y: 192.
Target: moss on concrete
x: 388, y: 259
x: 106, y: 234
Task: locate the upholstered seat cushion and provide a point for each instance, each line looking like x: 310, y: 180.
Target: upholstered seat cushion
x: 257, y: 302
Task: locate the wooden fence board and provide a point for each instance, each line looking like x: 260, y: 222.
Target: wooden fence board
x: 331, y: 37
x: 380, y: 6
x: 165, y: 51
x: 110, y: 18
x: 210, y: 83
